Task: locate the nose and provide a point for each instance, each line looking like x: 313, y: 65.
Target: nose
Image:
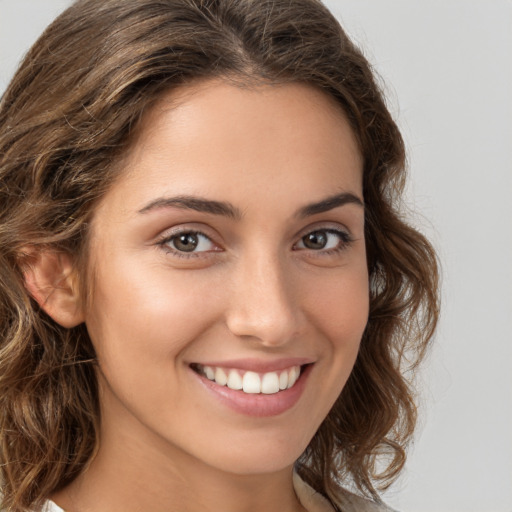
x: 264, y: 305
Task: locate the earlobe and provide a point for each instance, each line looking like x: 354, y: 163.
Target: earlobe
x: 51, y: 281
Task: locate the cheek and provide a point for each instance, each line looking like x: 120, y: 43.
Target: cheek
x: 147, y: 313
x: 339, y: 311
x: 340, y: 306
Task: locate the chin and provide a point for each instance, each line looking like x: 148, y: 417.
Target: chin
x: 258, y: 457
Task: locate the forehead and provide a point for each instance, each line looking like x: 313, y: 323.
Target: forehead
x: 230, y: 141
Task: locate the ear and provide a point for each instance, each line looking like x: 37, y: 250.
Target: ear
x: 51, y: 280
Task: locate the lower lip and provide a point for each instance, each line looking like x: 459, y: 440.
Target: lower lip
x: 257, y: 405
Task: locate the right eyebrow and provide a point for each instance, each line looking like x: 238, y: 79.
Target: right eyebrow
x: 198, y: 204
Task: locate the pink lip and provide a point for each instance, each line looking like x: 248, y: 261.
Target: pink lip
x: 257, y: 405
x: 258, y: 365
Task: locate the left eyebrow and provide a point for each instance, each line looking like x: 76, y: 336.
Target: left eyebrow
x: 329, y: 203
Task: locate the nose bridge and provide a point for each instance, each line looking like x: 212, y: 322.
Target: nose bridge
x: 263, y: 303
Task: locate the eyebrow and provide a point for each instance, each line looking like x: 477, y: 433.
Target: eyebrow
x: 228, y: 210
x: 329, y: 203
x: 195, y: 203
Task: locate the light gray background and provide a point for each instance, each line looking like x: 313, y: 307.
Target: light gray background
x: 447, y: 66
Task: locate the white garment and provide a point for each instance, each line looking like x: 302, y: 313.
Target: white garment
x: 51, y: 507
x: 347, y: 502
x: 309, y: 499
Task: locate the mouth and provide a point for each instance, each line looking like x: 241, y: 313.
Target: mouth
x: 252, y: 388
x: 251, y: 382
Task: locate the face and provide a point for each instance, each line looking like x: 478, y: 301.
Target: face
x: 230, y: 254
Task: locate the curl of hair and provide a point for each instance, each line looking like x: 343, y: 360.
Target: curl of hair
x: 66, y: 119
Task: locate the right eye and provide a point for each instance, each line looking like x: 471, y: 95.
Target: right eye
x: 188, y: 242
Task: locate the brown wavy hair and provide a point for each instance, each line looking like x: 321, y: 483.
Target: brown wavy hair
x: 68, y: 116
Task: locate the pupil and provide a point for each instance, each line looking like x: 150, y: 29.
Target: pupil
x: 316, y: 240
x: 186, y: 243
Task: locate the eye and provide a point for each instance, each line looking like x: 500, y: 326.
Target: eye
x: 324, y: 240
x: 189, y: 242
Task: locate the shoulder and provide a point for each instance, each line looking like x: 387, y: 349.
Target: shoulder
x: 50, y: 506
x: 310, y: 500
x: 346, y: 501
x: 350, y: 502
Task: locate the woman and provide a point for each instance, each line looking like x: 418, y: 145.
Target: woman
x: 209, y: 295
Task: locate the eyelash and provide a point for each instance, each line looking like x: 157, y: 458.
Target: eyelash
x: 345, y: 240
x: 164, y: 243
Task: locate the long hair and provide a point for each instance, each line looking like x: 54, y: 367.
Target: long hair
x: 67, y: 118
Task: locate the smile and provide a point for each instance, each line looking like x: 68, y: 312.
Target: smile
x: 254, y: 388
x: 249, y: 381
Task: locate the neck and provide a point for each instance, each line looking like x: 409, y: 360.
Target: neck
x: 105, y: 488
x: 133, y: 473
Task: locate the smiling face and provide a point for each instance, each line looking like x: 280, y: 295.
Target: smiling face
x: 230, y: 251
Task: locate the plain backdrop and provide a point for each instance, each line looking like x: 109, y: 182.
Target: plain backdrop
x: 448, y: 74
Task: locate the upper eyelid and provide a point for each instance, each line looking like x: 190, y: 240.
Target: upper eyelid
x: 180, y: 230
x: 333, y: 227
x: 345, y: 236
x: 170, y: 236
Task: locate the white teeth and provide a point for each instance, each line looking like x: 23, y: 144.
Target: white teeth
x: 252, y: 382
x: 234, y: 380
x: 283, y: 380
x: 270, y: 383
x: 293, y: 376
x: 209, y: 372
x: 220, y: 377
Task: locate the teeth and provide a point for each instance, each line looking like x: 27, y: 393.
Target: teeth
x: 270, y: 383
x: 234, y: 380
x: 220, y: 377
x: 293, y: 376
x: 252, y: 382
x: 283, y: 380
x: 209, y: 372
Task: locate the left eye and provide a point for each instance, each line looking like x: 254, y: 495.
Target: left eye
x: 190, y: 242
x: 322, y: 239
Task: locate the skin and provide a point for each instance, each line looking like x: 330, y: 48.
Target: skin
x: 254, y: 290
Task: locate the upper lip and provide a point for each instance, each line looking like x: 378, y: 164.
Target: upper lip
x: 259, y: 365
